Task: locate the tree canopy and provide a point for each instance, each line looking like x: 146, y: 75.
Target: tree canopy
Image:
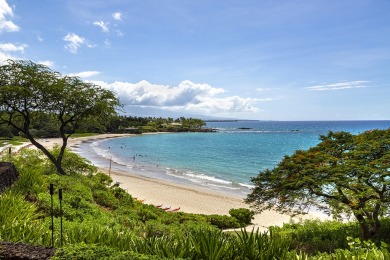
x: 344, y: 175
x: 32, y: 93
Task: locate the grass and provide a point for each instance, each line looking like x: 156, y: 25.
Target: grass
x: 102, y: 220
x: 17, y: 140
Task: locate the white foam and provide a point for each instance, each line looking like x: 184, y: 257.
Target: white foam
x: 247, y: 185
x: 207, y: 178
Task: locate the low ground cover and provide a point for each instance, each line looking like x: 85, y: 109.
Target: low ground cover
x: 102, y: 221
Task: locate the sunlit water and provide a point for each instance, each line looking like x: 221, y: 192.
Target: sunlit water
x: 225, y: 160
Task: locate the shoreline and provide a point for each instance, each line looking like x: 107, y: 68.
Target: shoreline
x: 190, y: 198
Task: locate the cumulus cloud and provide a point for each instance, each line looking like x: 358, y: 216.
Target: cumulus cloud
x: 102, y: 25
x: 5, y: 24
x: 263, y: 89
x: 48, y: 63
x: 117, y: 16
x: 10, y: 47
x: 74, y: 42
x: 107, y: 43
x: 84, y: 74
x: 119, y: 33
x: 7, y: 48
x: 188, y: 96
x: 339, y: 86
x: 6, y: 56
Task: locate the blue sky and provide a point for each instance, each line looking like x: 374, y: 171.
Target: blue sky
x: 251, y: 59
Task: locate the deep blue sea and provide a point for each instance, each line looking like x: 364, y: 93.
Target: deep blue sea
x: 225, y: 160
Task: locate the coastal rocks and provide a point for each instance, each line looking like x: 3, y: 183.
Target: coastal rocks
x: 8, y: 175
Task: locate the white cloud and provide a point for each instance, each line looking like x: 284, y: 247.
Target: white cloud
x: 117, y: 16
x: 107, y: 43
x: 6, y: 56
x: 9, y: 47
x: 90, y: 45
x: 84, y: 74
x: 188, y: 96
x: 338, y: 86
x: 6, y: 25
x: 74, y: 42
x: 102, y: 25
x: 48, y: 63
x: 263, y: 89
x: 119, y: 33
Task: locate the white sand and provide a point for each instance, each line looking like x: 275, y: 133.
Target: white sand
x: 191, y: 199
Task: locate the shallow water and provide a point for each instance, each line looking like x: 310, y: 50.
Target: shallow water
x: 225, y: 160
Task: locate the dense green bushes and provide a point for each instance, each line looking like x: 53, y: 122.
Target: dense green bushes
x: 244, y: 216
x: 312, y: 236
x: 102, y: 221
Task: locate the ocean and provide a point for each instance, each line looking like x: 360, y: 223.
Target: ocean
x: 224, y: 160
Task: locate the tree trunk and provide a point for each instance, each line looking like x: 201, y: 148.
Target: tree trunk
x: 369, y: 228
x: 57, y: 163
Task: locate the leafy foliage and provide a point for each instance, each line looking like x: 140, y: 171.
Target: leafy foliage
x: 32, y: 94
x: 244, y: 216
x: 343, y: 175
x: 128, y: 229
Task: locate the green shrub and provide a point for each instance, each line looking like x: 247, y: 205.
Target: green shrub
x: 223, y: 221
x: 358, y: 249
x: 155, y: 228
x: 101, y: 178
x: 5, y: 132
x: 105, y: 199
x: 84, y: 251
x: 211, y: 244
x: 312, y: 236
x: 146, y: 214
x: 30, y: 160
x: 20, y: 222
x: 73, y: 163
x: 257, y: 245
x: 244, y: 216
x: 29, y: 183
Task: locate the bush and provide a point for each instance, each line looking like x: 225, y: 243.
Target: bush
x: 223, y: 222
x: 244, y: 216
x: 312, y: 236
x: 5, y: 132
x: 73, y: 163
x: 105, y: 199
x: 92, y: 252
x: 29, y: 184
x: 19, y: 221
x: 145, y: 214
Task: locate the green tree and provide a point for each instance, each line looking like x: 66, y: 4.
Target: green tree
x: 344, y: 174
x: 32, y: 92
x: 5, y: 132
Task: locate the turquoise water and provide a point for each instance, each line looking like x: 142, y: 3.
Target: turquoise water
x: 225, y: 160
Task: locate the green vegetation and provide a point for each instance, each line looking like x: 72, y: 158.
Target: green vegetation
x: 32, y: 94
x: 36, y: 102
x: 102, y: 221
x: 15, y: 140
x: 345, y: 175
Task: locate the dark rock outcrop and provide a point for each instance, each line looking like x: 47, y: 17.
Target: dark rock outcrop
x: 18, y: 251
x: 8, y: 175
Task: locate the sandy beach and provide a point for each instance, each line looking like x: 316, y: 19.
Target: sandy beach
x: 191, y: 199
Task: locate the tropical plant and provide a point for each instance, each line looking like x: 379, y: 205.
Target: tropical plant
x: 244, y: 216
x: 344, y: 175
x: 32, y: 93
x: 257, y: 245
